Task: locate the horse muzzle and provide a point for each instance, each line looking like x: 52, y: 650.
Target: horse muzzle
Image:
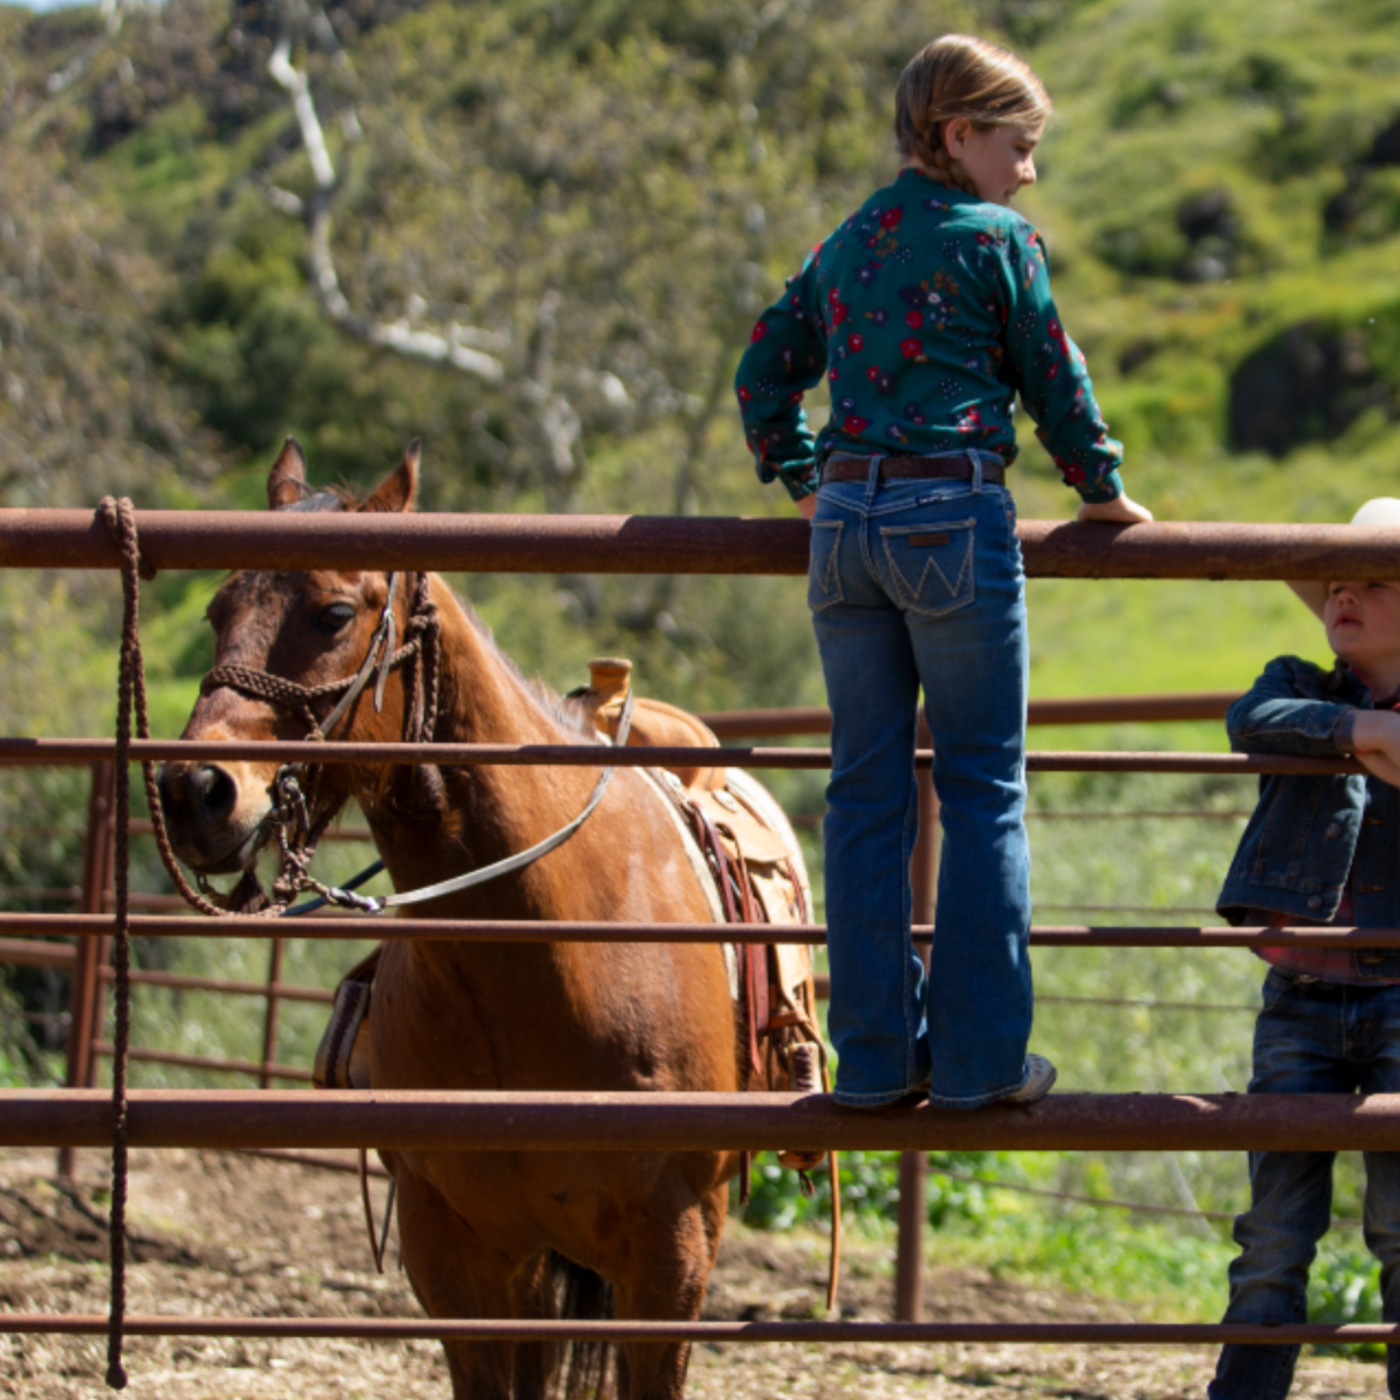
x: 216, y: 813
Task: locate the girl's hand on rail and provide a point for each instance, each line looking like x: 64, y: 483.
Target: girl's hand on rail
x: 1375, y: 738
x: 1121, y: 510
x: 808, y: 506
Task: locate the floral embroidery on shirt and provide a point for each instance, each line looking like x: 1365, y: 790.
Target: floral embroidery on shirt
x: 965, y: 324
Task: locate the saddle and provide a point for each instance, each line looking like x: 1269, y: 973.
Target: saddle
x: 753, y: 869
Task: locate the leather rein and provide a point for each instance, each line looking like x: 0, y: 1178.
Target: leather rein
x: 294, y: 786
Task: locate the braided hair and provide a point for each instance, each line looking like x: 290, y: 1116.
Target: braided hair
x: 961, y: 76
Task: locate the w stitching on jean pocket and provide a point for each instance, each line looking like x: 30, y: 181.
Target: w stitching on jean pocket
x: 927, y: 545
x: 824, y: 587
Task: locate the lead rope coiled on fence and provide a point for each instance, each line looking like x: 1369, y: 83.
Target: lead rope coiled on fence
x: 119, y: 516
x: 120, y: 520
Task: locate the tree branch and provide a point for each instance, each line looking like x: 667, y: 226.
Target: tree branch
x: 555, y: 428
x: 111, y: 12
x: 293, y: 80
x: 454, y: 347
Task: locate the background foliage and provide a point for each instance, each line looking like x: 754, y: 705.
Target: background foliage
x: 605, y: 194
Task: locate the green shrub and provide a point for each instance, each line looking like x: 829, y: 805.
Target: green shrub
x: 869, y: 1191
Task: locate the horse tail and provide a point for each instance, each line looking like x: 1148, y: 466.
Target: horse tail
x: 585, y: 1369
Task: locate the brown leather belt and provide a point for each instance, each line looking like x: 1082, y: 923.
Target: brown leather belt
x: 947, y: 466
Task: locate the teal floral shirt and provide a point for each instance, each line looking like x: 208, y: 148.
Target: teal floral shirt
x: 928, y: 310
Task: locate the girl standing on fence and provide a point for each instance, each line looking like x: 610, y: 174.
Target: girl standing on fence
x: 928, y: 310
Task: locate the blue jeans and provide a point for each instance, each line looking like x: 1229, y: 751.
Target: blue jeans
x: 919, y: 583
x: 1311, y: 1038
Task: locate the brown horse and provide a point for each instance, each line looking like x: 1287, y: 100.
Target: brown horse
x: 491, y: 1234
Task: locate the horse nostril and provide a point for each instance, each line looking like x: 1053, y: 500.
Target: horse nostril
x: 212, y: 790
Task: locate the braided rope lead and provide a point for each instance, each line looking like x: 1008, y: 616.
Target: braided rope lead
x: 119, y: 517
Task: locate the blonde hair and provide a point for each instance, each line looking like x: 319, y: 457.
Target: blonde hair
x: 961, y: 76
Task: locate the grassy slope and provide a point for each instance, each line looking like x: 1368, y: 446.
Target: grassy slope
x: 1118, y: 159
x: 1155, y: 103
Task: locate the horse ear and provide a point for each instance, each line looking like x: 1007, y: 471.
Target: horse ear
x: 286, y: 482
x: 397, y: 490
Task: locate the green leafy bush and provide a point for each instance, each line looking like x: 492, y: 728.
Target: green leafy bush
x: 869, y: 1191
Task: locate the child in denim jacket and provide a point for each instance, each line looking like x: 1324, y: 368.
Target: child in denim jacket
x: 1320, y: 850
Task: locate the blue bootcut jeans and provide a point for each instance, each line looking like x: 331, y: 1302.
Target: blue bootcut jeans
x: 1311, y: 1038
x: 918, y: 583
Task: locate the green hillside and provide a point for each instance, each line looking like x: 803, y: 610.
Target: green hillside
x: 586, y: 204
x: 604, y: 195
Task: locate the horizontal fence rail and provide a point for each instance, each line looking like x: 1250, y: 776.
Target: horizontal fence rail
x: 22, y: 952
x: 215, y: 1064
x: 27, y: 952
x: 640, y: 544
x: 294, y: 1122
x: 585, y: 1121
x: 545, y: 931
x: 23, y: 752
x: 1091, y: 709
x: 400, y: 1329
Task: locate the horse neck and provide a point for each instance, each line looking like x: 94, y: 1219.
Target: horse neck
x: 626, y: 863
x: 482, y: 698
x: 430, y: 821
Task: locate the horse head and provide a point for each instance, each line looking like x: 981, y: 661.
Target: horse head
x: 291, y: 648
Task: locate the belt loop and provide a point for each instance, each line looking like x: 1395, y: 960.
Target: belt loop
x: 975, y: 458
x: 872, y: 481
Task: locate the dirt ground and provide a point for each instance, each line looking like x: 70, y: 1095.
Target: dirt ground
x: 218, y: 1233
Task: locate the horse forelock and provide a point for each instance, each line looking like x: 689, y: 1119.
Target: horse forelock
x: 330, y: 499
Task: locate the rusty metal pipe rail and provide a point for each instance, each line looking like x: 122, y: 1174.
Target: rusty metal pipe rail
x: 1094, y: 709
x: 571, y: 1122
x: 638, y: 544
x: 143, y: 826
x: 136, y: 900
x: 401, y: 1329
x: 186, y: 982
x: 23, y: 752
x: 547, y: 931
x: 74, y: 894
x: 215, y: 1063
x: 23, y: 952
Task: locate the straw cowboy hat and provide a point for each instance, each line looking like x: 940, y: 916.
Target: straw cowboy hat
x: 1383, y: 510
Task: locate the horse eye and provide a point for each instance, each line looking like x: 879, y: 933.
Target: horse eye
x: 335, y: 618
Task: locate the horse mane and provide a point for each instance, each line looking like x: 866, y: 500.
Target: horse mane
x: 563, y: 710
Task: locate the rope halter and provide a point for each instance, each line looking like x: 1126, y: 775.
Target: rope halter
x: 291, y: 695
x: 293, y: 787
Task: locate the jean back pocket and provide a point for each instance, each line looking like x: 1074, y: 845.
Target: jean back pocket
x: 823, y: 565
x: 931, y: 566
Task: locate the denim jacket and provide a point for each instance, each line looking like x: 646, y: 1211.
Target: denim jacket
x: 1308, y: 833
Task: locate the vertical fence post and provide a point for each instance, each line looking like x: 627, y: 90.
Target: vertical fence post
x: 274, y: 979
x: 913, y: 1166
x: 84, y: 988
x: 106, y: 903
